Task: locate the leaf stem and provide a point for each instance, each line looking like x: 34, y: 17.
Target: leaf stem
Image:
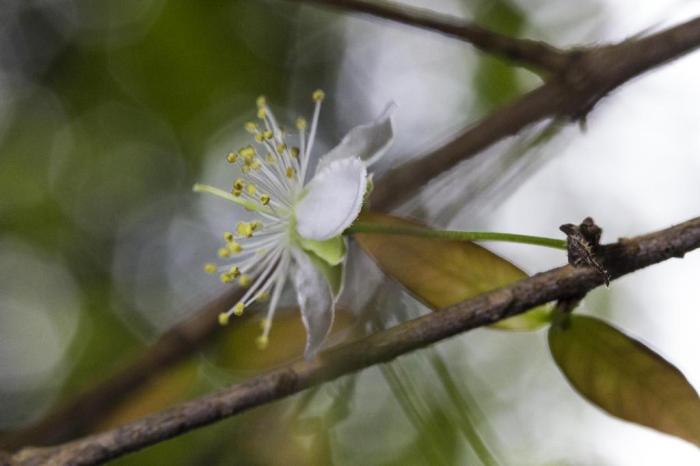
x: 455, y: 235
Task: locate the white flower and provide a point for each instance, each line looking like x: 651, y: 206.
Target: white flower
x: 301, y: 223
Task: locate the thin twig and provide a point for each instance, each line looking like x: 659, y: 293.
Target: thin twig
x: 535, y: 54
x: 623, y: 257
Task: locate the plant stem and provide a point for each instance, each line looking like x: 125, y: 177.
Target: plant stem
x: 455, y: 235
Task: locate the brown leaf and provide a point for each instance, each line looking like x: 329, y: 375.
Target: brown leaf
x: 624, y: 377
x: 237, y: 350
x: 444, y: 272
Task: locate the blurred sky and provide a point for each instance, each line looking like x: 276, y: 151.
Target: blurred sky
x: 109, y: 113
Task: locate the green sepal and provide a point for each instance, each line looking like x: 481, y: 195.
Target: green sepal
x: 332, y: 273
x: 332, y: 251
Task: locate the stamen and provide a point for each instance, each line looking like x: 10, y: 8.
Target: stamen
x: 244, y: 229
x: 318, y: 95
x: 210, y: 267
x: 290, y: 172
x: 231, y: 157
x: 238, y: 309
x: 264, y: 199
x: 223, y: 252
x: 244, y: 280
x: 262, y: 342
x: 223, y: 319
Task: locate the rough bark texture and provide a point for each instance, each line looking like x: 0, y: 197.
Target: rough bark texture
x: 563, y: 283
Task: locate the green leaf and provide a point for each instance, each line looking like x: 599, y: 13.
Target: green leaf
x: 442, y: 272
x: 624, y: 377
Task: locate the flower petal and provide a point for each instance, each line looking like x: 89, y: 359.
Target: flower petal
x: 368, y: 142
x: 315, y: 300
x: 333, y: 200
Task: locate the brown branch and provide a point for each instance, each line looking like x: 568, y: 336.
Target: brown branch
x: 536, y: 54
x: 623, y: 257
x: 581, y: 80
x: 81, y: 414
x: 572, y: 92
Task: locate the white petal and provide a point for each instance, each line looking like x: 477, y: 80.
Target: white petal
x: 333, y: 199
x: 368, y: 142
x: 315, y: 300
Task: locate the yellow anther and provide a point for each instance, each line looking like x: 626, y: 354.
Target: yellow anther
x: 244, y: 229
x: 294, y: 151
x: 255, y: 164
x: 262, y: 342
x: 228, y: 236
x: 290, y: 172
x: 281, y: 147
x: 262, y: 297
x: 223, y: 252
x: 264, y: 199
x: 244, y: 280
x: 238, y: 309
x: 251, y: 127
x: 234, y: 247
x: 231, y: 157
x: 234, y: 271
x: 301, y: 123
x: 261, y: 101
x: 262, y: 112
x: 267, y: 134
x: 248, y: 152
x: 210, y: 267
x: 252, y: 189
x: 225, y: 277
x: 259, y: 137
x: 257, y: 225
x: 318, y: 95
x: 270, y: 158
x: 223, y: 319
x: 236, y: 192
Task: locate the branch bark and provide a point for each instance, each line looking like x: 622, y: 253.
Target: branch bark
x: 577, y: 84
x: 536, y: 54
x: 568, y: 282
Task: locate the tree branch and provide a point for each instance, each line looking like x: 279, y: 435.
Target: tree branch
x: 623, y: 257
x: 579, y: 80
x: 535, y: 54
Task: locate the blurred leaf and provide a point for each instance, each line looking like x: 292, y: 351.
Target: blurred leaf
x: 237, y: 349
x: 496, y: 80
x: 624, y: 377
x: 169, y: 387
x: 441, y: 273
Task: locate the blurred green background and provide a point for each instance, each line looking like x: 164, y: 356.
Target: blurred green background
x: 110, y: 111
